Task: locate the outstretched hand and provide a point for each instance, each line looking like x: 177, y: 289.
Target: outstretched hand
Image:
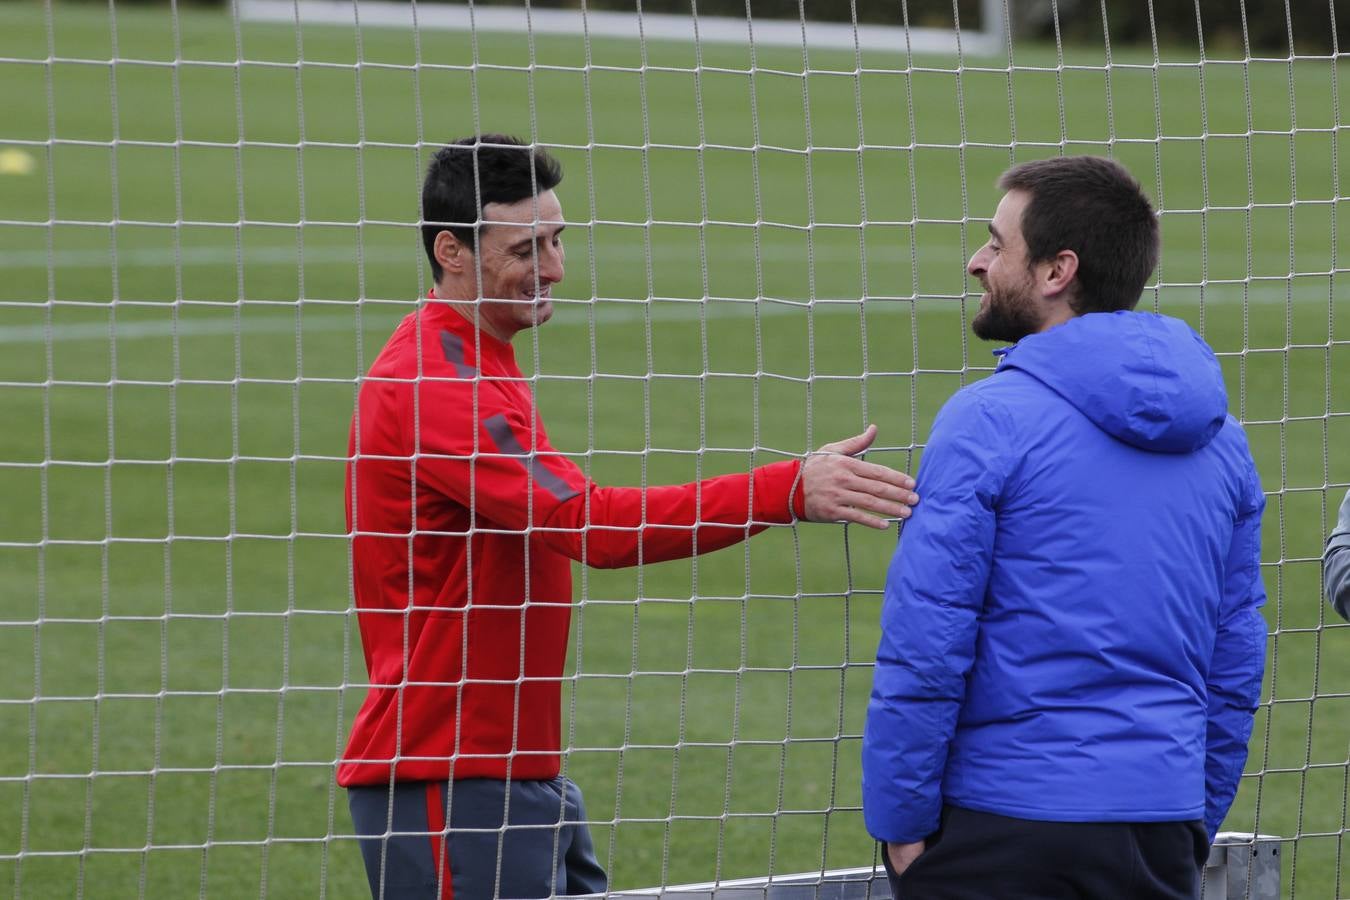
x: 837, y: 487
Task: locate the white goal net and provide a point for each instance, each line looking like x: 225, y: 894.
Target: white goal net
x: 209, y: 225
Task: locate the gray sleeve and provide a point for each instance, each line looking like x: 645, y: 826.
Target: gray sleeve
x: 1336, y: 562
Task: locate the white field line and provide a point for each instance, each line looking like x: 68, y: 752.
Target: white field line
x: 156, y: 257
x: 569, y: 314
x: 630, y: 26
x: 828, y: 247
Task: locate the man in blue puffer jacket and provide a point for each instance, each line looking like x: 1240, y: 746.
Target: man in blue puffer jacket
x: 1071, y: 651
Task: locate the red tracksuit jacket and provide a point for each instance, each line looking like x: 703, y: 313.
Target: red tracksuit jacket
x: 464, y: 522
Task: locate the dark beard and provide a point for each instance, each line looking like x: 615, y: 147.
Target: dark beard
x: 1009, y: 317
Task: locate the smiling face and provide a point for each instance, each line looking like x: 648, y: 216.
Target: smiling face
x: 519, y: 259
x: 1010, y: 308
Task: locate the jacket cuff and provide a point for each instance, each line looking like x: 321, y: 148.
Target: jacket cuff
x: 778, y: 495
x: 797, y: 500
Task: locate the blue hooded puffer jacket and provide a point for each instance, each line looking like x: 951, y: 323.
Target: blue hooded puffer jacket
x: 1070, y: 628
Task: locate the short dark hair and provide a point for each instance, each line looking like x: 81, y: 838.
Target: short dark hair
x: 472, y: 172
x: 1096, y: 208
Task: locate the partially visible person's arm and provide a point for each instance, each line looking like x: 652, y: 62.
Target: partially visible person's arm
x: 504, y: 469
x: 935, y: 590
x: 620, y: 526
x: 1238, y: 662
x: 1336, y: 562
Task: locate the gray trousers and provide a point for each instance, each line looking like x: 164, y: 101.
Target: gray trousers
x: 475, y: 839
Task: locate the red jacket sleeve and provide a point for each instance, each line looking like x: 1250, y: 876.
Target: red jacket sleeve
x: 492, y: 456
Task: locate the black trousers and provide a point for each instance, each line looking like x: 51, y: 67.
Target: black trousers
x: 981, y: 856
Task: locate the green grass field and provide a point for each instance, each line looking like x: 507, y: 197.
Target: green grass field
x: 233, y: 243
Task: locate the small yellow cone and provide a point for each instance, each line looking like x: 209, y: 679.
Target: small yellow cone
x: 14, y: 161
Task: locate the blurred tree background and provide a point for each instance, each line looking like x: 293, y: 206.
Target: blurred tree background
x: 1264, y: 26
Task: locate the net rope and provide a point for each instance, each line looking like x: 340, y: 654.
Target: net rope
x: 176, y: 456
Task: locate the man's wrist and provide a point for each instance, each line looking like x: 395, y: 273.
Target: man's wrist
x: 797, y: 493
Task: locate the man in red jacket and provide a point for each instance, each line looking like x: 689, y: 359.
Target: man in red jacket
x: 465, y: 522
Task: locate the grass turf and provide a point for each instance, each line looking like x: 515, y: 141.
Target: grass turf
x: 232, y: 244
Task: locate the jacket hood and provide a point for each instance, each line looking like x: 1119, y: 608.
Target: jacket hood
x: 1145, y: 379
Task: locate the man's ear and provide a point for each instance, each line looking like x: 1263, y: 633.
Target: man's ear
x: 1059, y: 274
x: 454, y: 257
